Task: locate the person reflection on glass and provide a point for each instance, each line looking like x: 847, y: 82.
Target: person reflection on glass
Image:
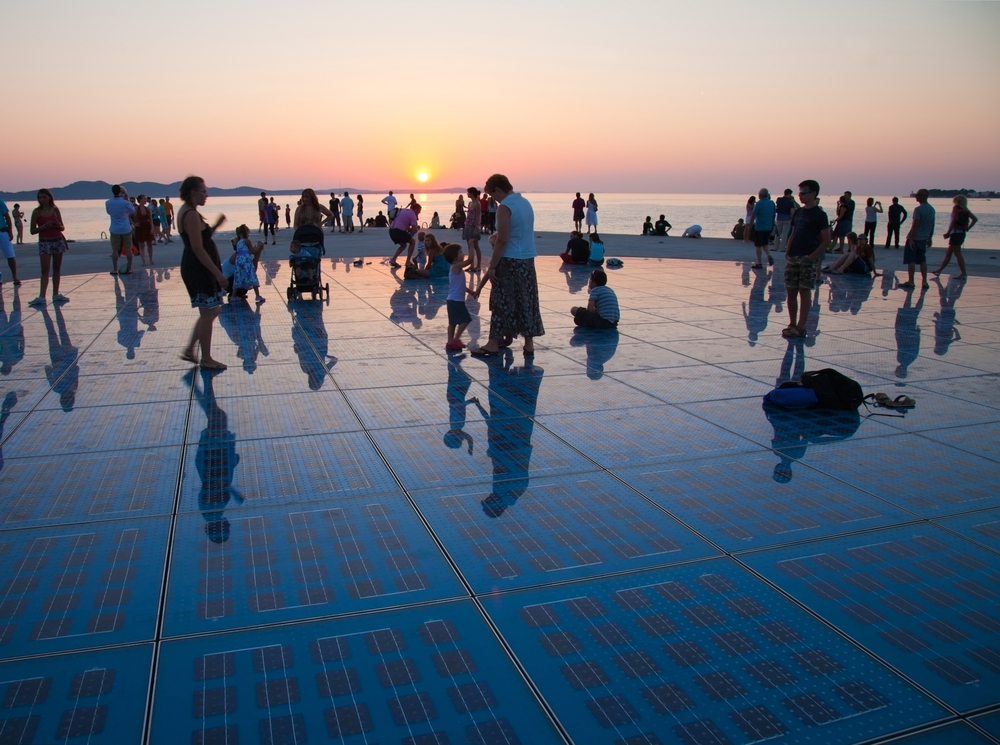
x: 601, y: 346
x: 242, y: 324
x: 127, y: 307
x: 64, y: 372
x: 9, y: 402
x: 308, y: 334
x: 577, y: 276
x: 908, y: 333
x: 508, y: 431
x: 149, y: 299
x: 215, y: 460
x: 11, y: 335
x: 944, y: 320
x: 793, y: 364
x: 796, y: 430
x: 755, y: 315
x: 458, y: 388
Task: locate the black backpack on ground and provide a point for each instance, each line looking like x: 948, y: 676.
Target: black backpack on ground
x: 833, y: 389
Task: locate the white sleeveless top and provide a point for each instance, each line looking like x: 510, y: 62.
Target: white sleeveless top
x: 521, y: 244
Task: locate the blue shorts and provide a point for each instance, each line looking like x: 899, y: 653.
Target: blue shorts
x: 915, y: 252
x: 458, y: 313
x: 956, y: 239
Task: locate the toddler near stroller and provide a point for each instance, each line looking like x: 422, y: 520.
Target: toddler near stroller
x: 244, y: 264
x: 306, y: 248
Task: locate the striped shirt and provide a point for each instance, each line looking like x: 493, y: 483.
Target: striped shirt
x: 607, y: 303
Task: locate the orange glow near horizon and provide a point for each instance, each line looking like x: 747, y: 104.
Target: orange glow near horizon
x: 657, y: 118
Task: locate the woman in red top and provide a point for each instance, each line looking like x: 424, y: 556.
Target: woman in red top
x: 47, y: 224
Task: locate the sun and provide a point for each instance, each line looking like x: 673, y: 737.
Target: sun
x: 421, y: 177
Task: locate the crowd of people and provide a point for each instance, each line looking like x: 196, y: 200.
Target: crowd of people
x: 799, y: 229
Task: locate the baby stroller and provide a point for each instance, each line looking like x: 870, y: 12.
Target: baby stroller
x: 305, y: 264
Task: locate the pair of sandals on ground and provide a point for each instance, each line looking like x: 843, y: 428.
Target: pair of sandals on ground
x: 505, y: 342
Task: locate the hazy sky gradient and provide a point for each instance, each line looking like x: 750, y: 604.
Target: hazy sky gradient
x: 640, y: 95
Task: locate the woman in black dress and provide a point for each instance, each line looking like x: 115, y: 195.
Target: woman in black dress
x: 201, y: 270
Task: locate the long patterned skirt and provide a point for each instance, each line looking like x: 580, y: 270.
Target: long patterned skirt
x: 514, y: 300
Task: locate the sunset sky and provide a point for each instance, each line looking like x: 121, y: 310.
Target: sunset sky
x: 639, y: 95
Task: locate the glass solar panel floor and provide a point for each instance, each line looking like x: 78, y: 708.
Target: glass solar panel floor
x: 352, y: 536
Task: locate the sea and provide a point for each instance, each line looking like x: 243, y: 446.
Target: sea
x: 618, y: 214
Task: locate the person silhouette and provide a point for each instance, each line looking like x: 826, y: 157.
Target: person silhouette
x: 242, y: 324
x: 944, y: 320
x: 755, y: 314
x: 11, y: 335
x: 9, y: 402
x: 508, y: 433
x: 127, y: 307
x: 308, y: 334
x: 64, y: 372
x: 908, y: 333
x: 601, y: 346
x: 458, y: 387
x: 215, y: 460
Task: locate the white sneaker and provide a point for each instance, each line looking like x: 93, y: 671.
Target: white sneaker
x: 37, y: 301
x: 60, y: 298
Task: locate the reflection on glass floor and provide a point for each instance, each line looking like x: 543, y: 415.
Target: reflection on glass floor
x: 351, y: 536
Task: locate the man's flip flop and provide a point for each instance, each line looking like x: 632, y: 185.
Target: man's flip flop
x: 899, y: 402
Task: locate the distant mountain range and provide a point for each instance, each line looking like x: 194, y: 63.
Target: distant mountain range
x: 102, y: 190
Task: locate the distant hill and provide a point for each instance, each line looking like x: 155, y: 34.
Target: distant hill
x: 102, y: 190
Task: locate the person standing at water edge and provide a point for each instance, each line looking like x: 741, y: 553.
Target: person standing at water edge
x: 784, y: 207
x: 591, y: 213
x: 6, y: 236
x: 762, y: 222
x: 47, y: 224
x: 919, y: 239
x: 873, y: 209
x: 390, y: 206
x: 897, y: 216
x: 514, y: 297
x: 169, y: 209
x: 809, y: 238
x: 121, y: 210
x: 335, y: 214
x: 578, y: 207
x: 962, y: 221
x: 470, y: 233
x: 201, y: 271
x: 347, y: 212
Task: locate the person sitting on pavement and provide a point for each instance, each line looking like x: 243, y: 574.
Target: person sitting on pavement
x: 577, y: 249
x: 662, y: 226
x: 692, y: 232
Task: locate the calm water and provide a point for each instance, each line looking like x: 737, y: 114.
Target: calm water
x: 618, y: 214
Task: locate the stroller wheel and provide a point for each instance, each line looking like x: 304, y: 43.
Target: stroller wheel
x: 289, y: 293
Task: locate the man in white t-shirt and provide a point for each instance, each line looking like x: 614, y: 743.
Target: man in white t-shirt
x: 347, y: 212
x: 390, y: 206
